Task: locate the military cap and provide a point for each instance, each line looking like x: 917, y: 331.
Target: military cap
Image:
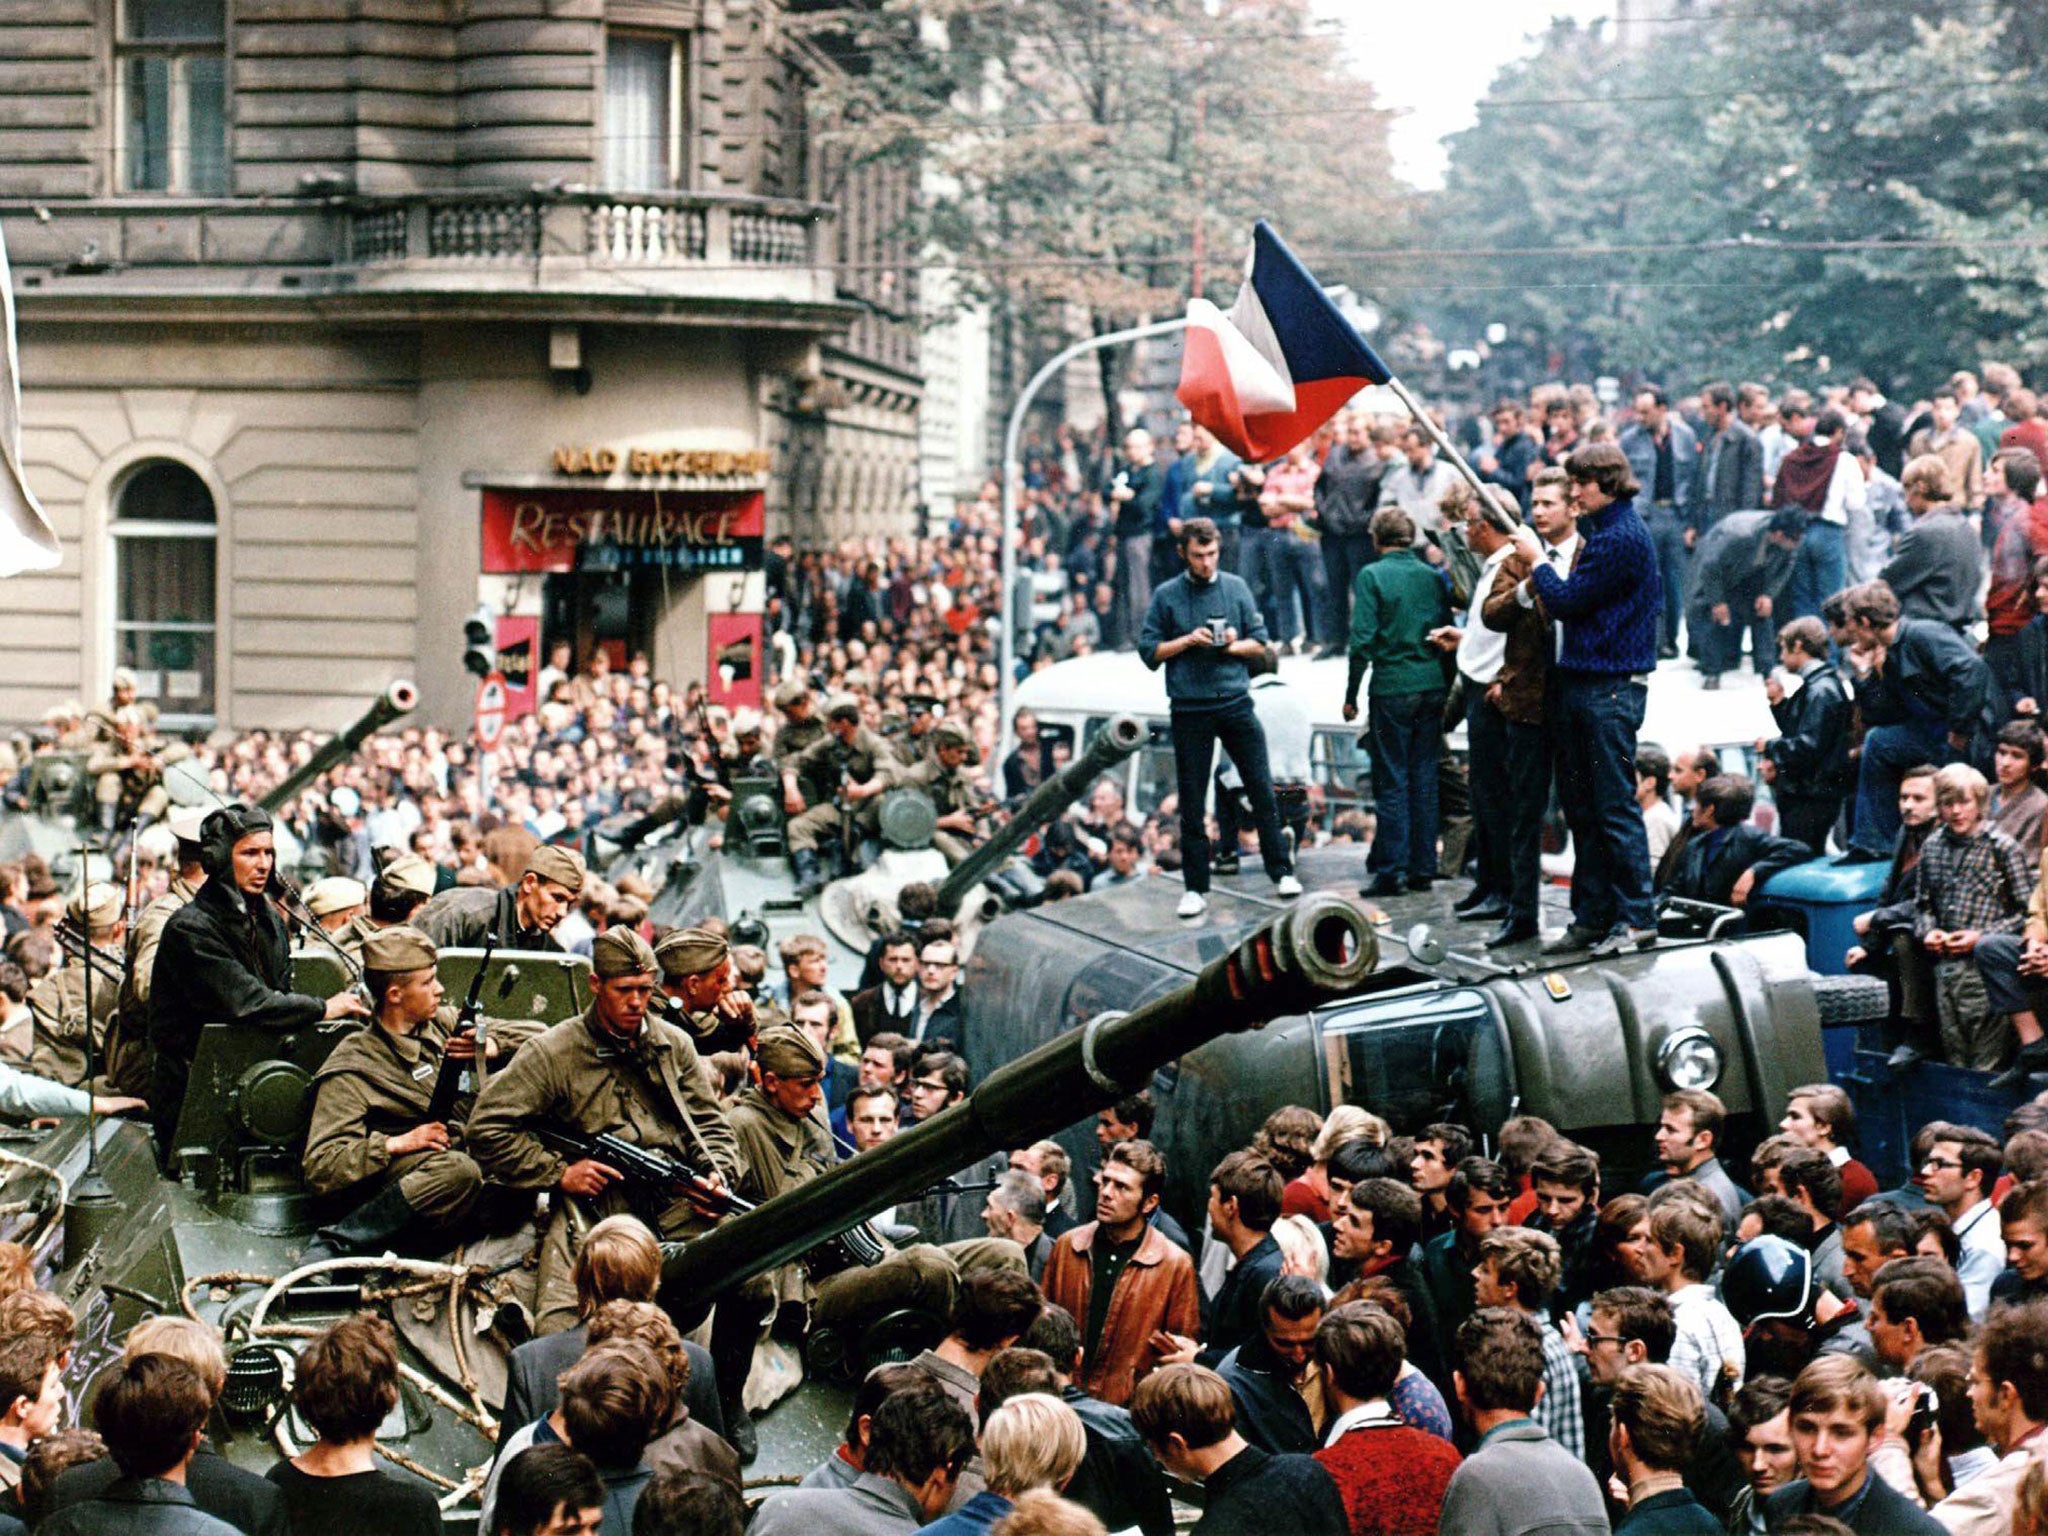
x: 335, y: 893
x: 185, y: 822
x: 951, y: 733
x: 788, y: 1052
x: 842, y: 706
x: 794, y: 691
x: 99, y: 907
x: 409, y: 872
x: 564, y: 866
x: 746, y: 722
x: 399, y: 950
x: 691, y: 952
x: 123, y: 678
x: 620, y: 952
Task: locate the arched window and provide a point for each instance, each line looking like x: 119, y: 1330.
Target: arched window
x: 164, y: 549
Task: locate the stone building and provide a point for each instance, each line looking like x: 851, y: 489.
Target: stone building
x: 341, y: 317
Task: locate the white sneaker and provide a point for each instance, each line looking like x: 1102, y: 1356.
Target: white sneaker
x: 1192, y: 904
x: 1287, y: 885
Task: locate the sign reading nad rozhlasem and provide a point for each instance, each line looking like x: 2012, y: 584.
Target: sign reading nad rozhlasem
x: 560, y: 530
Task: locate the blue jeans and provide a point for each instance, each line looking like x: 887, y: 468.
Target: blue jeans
x: 1888, y: 751
x: 1294, y: 573
x: 1406, y: 735
x: 1256, y: 555
x: 1718, y: 647
x: 1667, y: 533
x: 1594, y: 719
x: 1820, y: 568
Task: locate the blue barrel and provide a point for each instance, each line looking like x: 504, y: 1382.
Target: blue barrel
x: 1821, y: 899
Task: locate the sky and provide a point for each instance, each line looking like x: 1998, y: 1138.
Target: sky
x: 1431, y: 60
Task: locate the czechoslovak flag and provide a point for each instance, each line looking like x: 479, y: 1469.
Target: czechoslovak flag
x: 1281, y: 363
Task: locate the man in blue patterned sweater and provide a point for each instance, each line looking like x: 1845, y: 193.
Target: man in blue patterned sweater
x: 1608, y: 605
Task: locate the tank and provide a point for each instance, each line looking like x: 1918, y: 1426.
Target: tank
x: 1322, y: 949
x: 399, y: 699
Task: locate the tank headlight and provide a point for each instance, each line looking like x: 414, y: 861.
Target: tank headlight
x: 1689, y: 1058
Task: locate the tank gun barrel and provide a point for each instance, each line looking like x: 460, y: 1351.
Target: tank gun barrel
x: 1116, y: 741
x: 394, y: 701
x: 1323, y: 949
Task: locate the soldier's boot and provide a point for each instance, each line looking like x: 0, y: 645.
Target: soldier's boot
x: 809, y: 879
x: 370, y: 1228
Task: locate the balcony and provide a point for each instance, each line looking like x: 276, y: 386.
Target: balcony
x: 676, y: 255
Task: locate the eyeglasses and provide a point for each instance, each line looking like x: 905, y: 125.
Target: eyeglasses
x: 1942, y: 1162
x: 1605, y: 1338
x: 940, y: 965
x: 921, y: 1082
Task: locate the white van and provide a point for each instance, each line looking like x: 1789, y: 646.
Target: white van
x: 1077, y: 698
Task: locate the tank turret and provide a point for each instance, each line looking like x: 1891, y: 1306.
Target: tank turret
x: 394, y: 701
x: 1322, y: 949
x: 1116, y: 741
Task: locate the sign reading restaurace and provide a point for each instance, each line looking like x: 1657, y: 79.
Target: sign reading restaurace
x: 555, y: 529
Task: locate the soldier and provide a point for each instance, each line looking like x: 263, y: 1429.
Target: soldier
x: 697, y: 973
x: 783, y: 1139
x: 370, y: 1134
x: 850, y: 761
x: 225, y: 956
x: 942, y: 774
x: 127, y: 761
x: 400, y: 889
x: 58, y: 1000
x: 335, y: 902
x: 523, y: 916
x: 800, y: 726
x: 615, y: 1070
x: 128, y: 1036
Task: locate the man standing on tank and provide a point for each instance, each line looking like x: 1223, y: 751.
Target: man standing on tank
x: 1203, y: 626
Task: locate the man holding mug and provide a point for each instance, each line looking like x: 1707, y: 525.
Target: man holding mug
x: 1202, y: 626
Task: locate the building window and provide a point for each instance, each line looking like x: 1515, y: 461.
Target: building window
x: 172, y: 66
x: 643, y: 112
x: 164, y: 532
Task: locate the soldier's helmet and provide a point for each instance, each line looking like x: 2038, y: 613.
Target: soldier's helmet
x: 1768, y: 1278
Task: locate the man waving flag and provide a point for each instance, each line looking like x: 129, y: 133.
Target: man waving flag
x: 1281, y: 363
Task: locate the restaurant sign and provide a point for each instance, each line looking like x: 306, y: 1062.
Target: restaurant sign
x: 555, y: 529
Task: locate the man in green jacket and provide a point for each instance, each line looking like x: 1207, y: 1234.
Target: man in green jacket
x: 1395, y: 603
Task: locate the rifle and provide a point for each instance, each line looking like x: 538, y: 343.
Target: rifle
x: 654, y: 1178
x: 448, y: 1086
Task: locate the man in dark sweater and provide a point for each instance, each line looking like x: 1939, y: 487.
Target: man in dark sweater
x: 1608, y: 605
x: 1837, y: 1410
x: 1135, y: 497
x: 1186, y: 1416
x: 1937, y: 565
x: 1201, y: 626
x: 1807, y: 766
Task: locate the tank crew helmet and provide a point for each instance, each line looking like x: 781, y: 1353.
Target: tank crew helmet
x: 224, y: 828
x: 1768, y: 1278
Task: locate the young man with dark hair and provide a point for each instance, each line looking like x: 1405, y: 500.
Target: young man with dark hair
x: 678, y: 1502
x: 1120, y: 1277
x: 2009, y: 1400
x: 849, y: 1458
x: 31, y: 1400
x: 2023, y: 1221
x: 1519, y: 1268
x: 1807, y: 764
x: 1689, y: 1147
x: 150, y: 1412
x: 1917, y: 1303
x: 1809, y: 1180
x: 1478, y: 1196
x: 1202, y: 625
x: 1684, y: 1246
x: 1118, y: 1480
x: 1391, y: 1477
x: 1957, y: 1174
x: 1725, y: 858
x: 1566, y: 1182
x: 918, y: 1441
x: 1244, y: 1202
x: 1186, y: 1415
x: 1374, y: 1228
x: 1439, y: 1148
x: 992, y: 1311
x: 1517, y: 1479
x: 1656, y: 1421
x: 548, y: 1490
x: 345, y: 1385
x: 1760, y: 1426
x: 1267, y: 1372
x: 1836, y: 1410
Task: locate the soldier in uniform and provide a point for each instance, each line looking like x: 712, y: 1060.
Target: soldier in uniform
x: 58, y: 1000
x: 800, y: 724
x: 225, y: 955
x: 942, y: 774
x: 616, y: 1070
x: 697, y: 973
x: 744, y: 756
x: 400, y: 889
x: 336, y: 901
x: 128, y: 1036
x: 127, y: 761
x: 849, y: 761
x: 783, y: 1138
x: 523, y: 916
x: 370, y: 1135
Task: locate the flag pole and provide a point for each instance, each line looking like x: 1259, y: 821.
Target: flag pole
x: 1491, y: 509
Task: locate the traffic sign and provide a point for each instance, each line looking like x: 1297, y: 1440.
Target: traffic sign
x: 490, y: 711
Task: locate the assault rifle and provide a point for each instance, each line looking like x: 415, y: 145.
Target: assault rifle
x: 655, y: 1178
x: 448, y: 1086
